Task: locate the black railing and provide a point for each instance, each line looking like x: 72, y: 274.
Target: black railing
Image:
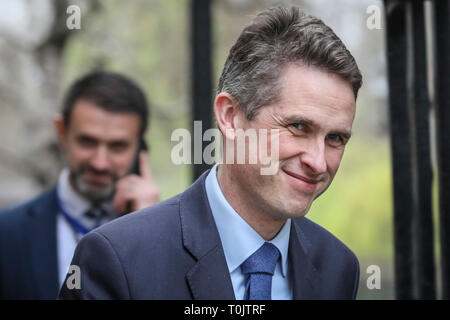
x: 201, y: 74
x: 410, y: 112
x: 401, y: 153
x: 442, y: 94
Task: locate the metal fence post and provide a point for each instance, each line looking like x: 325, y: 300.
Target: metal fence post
x: 400, y: 147
x: 442, y: 85
x: 419, y: 105
x: 201, y: 73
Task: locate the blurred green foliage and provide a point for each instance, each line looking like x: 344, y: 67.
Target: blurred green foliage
x: 357, y: 207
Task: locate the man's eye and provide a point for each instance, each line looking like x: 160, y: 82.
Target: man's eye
x: 335, y: 140
x: 298, y: 126
x: 87, y: 142
x: 118, y: 147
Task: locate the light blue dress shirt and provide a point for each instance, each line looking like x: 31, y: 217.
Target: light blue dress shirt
x: 240, y: 241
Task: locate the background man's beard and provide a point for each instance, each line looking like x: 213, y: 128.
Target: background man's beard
x: 94, y: 194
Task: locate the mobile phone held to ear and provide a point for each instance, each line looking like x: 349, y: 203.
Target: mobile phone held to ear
x: 135, y: 167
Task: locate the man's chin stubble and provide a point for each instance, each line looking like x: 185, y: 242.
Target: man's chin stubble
x: 94, y: 194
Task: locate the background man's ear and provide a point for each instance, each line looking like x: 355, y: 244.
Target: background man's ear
x: 227, y: 112
x: 61, y: 130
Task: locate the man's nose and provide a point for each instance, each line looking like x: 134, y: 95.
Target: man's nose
x: 100, y: 159
x: 313, y: 157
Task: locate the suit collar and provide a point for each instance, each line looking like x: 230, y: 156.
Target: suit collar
x: 209, y: 278
x: 40, y: 230
x: 305, y: 277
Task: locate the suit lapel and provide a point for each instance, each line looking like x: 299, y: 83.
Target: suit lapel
x: 305, y: 277
x: 41, y: 237
x: 209, y: 278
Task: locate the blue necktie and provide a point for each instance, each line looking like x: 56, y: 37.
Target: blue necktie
x: 259, y: 268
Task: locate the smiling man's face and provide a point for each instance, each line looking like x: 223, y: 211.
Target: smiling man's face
x: 314, y: 117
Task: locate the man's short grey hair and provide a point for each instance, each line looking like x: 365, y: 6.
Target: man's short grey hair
x: 276, y: 37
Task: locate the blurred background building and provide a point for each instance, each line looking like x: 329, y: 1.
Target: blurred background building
x: 149, y: 40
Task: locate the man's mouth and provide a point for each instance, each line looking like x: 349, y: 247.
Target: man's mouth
x: 301, y: 182
x: 97, y: 178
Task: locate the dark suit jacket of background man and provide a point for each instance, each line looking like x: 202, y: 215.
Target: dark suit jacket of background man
x: 172, y: 250
x: 28, y: 254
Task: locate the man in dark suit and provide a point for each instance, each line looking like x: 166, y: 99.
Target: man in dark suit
x: 103, y: 120
x: 239, y: 231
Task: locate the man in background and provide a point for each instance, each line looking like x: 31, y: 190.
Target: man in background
x: 101, y: 133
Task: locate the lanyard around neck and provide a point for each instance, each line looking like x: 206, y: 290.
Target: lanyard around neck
x: 74, y: 223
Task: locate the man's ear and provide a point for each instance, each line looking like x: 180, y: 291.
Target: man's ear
x: 61, y: 130
x: 227, y: 112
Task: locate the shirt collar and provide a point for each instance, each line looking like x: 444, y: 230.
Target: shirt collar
x: 74, y: 204
x: 239, y: 239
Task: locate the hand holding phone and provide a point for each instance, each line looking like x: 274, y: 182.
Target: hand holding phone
x: 136, y: 190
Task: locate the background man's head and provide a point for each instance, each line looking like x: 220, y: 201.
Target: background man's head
x: 289, y: 71
x: 104, y: 116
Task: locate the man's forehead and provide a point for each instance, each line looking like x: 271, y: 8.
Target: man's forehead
x: 308, y: 93
x: 310, y: 82
x: 90, y: 119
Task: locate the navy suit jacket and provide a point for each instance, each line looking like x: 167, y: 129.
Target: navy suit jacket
x: 28, y: 256
x: 172, y: 250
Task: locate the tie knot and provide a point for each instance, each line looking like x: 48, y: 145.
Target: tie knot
x: 96, y: 213
x: 262, y: 260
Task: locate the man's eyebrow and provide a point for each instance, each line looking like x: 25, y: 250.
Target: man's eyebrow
x: 119, y: 141
x: 299, y: 119
x: 85, y: 136
x: 311, y: 123
x: 345, y: 134
x: 110, y: 142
